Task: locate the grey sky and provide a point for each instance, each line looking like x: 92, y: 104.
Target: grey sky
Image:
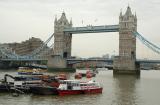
x: 22, y: 19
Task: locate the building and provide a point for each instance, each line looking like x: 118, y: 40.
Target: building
x: 28, y: 46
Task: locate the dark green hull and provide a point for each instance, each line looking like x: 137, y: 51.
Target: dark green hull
x: 61, y: 69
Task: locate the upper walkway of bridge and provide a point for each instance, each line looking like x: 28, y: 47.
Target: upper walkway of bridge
x: 92, y: 29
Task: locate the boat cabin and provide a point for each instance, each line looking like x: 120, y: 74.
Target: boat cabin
x: 70, y: 85
x: 89, y: 85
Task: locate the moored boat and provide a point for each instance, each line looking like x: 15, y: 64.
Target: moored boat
x: 30, y: 71
x: 36, y: 84
x: 4, y: 87
x: 24, y: 71
x: 43, y: 90
x: 90, y: 74
x: 47, y: 87
x: 70, y: 87
x: 85, y: 73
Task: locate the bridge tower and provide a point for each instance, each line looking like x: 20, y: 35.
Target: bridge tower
x: 125, y: 63
x: 62, y: 44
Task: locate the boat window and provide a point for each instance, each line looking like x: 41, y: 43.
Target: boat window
x: 62, y: 82
x: 83, y: 84
x: 76, y: 84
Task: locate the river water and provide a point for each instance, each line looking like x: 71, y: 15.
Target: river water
x: 117, y: 90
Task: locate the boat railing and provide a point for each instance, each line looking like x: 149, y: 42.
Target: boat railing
x: 90, y: 85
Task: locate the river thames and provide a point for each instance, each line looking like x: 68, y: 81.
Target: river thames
x: 117, y: 90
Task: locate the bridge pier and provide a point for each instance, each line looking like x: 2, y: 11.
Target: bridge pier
x: 126, y: 66
x: 56, y: 63
x: 9, y: 64
x: 125, y: 63
x: 4, y: 65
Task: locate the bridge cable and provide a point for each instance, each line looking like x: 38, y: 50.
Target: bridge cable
x: 150, y: 45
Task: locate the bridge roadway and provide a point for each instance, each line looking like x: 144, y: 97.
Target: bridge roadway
x: 20, y: 59
x: 92, y: 29
x: 74, y: 61
x: 79, y: 60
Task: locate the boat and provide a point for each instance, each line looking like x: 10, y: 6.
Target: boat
x: 47, y: 87
x: 43, y: 90
x: 21, y: 83
x: 90, y: 74
x: 30, y: 71
x: 36, y: 84
x: 24, y: 71
x: 72, y: 87
x: 4, y: 87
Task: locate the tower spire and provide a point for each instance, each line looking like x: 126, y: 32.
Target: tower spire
x: 128, y: 12
x: 55, y: 21
x: 63, y: 15
x: 135, y: 15
x: 71, y: 22
x: 121, y: 13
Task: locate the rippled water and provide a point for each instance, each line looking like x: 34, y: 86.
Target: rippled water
x: 117, y: 90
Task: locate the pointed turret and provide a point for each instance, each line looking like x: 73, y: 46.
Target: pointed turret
x: 135, y: 16
x: 120, y: 16
x: 63, y: 17
x: 70, y: 22
x: 128, y: 12
x: 127, y: 19
x: 55, y: 21
x: 63, y: 20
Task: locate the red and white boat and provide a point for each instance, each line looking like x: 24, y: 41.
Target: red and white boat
x: 70, y: 87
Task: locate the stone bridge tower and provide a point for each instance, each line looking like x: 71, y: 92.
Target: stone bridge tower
x: 125, y: 63
x: 62, y: 44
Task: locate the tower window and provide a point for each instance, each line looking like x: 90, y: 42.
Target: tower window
x: 132, y: 55
x: 65, y: 54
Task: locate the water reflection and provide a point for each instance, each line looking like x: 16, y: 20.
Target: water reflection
x: 125, y: 90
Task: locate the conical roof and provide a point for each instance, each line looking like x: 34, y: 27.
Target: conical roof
x: 63, y: 16
x: 128, y: 12
x: 63, y: 19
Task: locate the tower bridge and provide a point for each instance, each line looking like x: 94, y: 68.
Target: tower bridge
x: 125, y: 63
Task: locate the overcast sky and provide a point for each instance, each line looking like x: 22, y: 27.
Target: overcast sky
x: 22, y: 19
